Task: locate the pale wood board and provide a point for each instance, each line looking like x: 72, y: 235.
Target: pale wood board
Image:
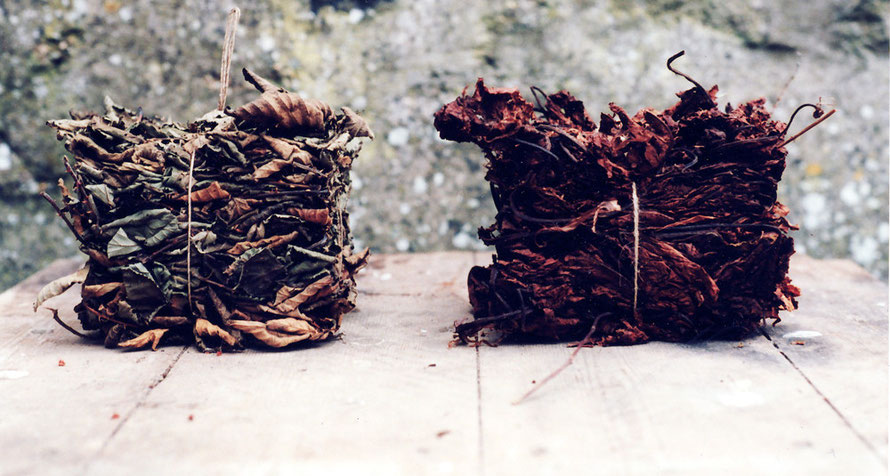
x: 370, y: 403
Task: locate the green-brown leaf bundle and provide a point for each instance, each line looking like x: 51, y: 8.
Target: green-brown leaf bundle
x: 270, y: 254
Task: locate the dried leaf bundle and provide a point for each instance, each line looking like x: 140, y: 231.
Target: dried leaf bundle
x: 270, y: 253
x: 713, y: 245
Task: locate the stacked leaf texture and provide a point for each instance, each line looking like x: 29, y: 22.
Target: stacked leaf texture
x: 711, y: 256
x: 259, y: 250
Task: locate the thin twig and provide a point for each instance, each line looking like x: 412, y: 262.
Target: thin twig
x: 69, y: 328
x: 568, y: 362
x: 688, y: 78
x: 228, y: 49
x: 817, y: 113
x: 188, y: 232
x: 806, y: 129
x: 62, y: 216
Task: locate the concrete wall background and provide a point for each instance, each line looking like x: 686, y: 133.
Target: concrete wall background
x: 398, y: 61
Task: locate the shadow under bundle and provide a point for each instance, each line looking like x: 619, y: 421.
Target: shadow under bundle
x: 232, y: 226
x: 663, y: 225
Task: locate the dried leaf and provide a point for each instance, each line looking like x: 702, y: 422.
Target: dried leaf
x: 282, y: 111
x: 319, y: 288
x: 207, y: 194
x: 60, y: 285
x: 271, y: 242
x: 359, y: 260
x: 151, y: 336
x: 98, y: 290
x: 312, y: 215
x: 205, y: 328
x: 355, y: 125
x: 121, y: 245
x: 280, y: 332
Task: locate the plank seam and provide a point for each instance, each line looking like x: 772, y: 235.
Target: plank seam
x: 836, y: 410
x: 139, y: 404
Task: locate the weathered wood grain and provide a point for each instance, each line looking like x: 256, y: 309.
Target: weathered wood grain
x: 372, y: 403
x: 718, y: 407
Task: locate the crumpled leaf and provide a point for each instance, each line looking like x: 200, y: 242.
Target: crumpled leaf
x: 60, y: 285
x: 205, y: 328
x: 286, y: 303
x: 280, y: 332
x: 282, y: 111
x: 289, y: 154
x: 355, y: 124
x: 312, y: 215
x: 102, y: 193
x: 151, y: 336
x: 207, y: 194
x: 148, y: 227
x: 270, y: 242
x: 121, y: 244
x: 98, y: 290
x: 258, y: 273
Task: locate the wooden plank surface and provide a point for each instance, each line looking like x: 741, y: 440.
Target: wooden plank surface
x: 373, y: 403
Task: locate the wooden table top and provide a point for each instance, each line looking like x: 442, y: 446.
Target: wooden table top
x: 390, y: 397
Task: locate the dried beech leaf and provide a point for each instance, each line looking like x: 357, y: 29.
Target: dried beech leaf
x: 355, y: 124
x: 282, y: 111
x: 98, y: 290
x: 319, y: 288
x: 60, y: 285
x: 312, y: 215
x: 288, y: 151
x: 203, y: 327
x: 207, y: 194
x: 279, y: 332
x: 359, y: 260
x: 270, y: 242
x: 151, y: 336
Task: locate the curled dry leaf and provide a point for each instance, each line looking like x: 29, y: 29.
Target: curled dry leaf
x: 98, y: 290
x: 204, y: 328
x: 312, y: 215
x: 207, y: 194
x: 60, y: 285
x: 282, y: 111
x: 280, y: 332
x: 271, y: 242
x: 358, y: 260
x: 356, y: 125
x: 319, y: 288
x: 152, y: 336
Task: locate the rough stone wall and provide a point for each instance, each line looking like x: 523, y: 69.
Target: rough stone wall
x: 399, y: 60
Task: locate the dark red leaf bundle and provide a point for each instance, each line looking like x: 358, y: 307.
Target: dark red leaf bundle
x: 713, y: 246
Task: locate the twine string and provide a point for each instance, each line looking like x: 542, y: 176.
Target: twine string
x: 636, y: 203
x: 225, y: 67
